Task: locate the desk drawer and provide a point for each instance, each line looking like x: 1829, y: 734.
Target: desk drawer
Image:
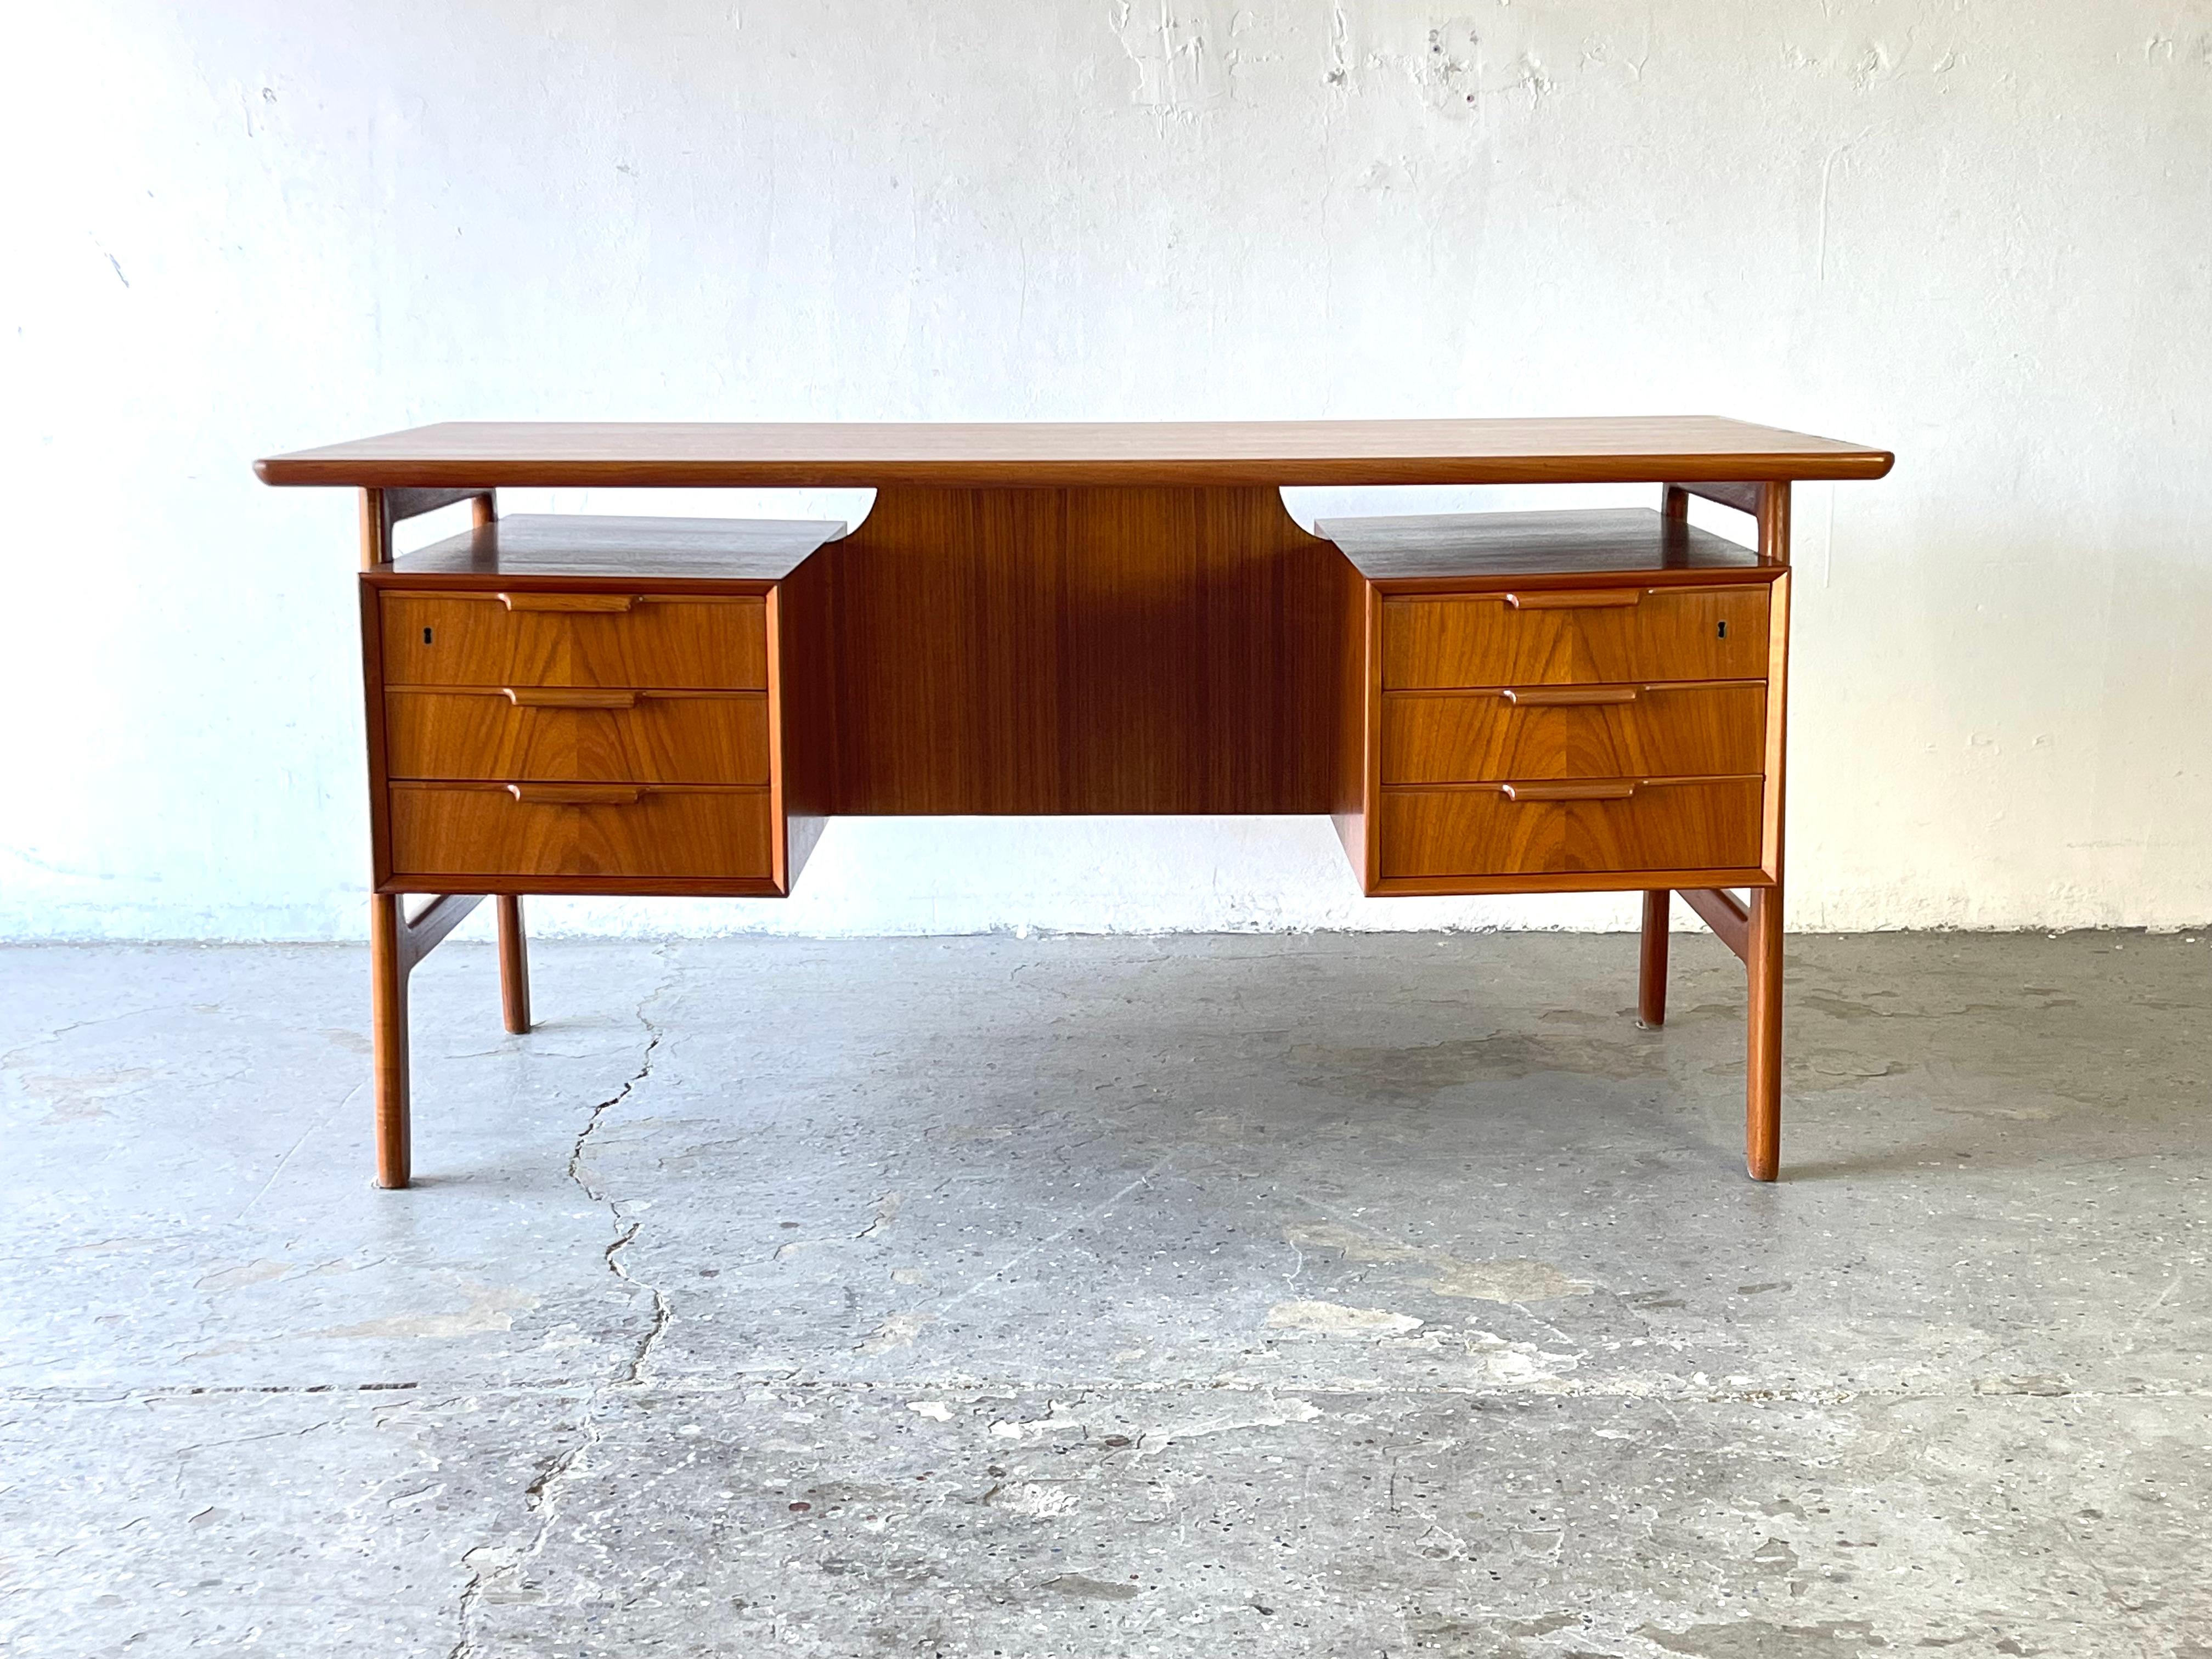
x: 1574, y: 731
x: 1483, y: 831
x: 575, y: 639
x: 1576, y: 636
x: 578, y: 735
x: 578, y: 830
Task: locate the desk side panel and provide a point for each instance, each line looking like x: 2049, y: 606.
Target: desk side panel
x: 802, y: 706
x: 1359, y: 716
x: 372, y: 672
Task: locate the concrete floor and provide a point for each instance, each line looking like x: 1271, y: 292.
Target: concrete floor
x: 1297, y: 1296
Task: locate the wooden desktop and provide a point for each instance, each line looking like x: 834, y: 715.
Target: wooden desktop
x: 1077, y: 619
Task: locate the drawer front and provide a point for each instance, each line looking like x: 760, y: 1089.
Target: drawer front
x: 1483, y: 832
x: 639, y: 737
x: 477, y: 639
x: 441, y: 829
x: 1635, y: 633
x: 1636, y: 732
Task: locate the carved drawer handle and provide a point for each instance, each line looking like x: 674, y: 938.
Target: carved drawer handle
x: 562, y: 696
x: 575, y: 794
x: 1612, y: 789
x: 1583, y: 598
x: 1552, y: 697
x: 589, y: 602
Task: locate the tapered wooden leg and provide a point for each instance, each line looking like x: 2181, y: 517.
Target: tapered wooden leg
x: 513, y: 966
x: 387, y: 967
x: 1651, y: 975
x: 1762, y: 1129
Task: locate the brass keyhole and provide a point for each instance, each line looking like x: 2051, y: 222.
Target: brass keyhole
x: 426, y: 633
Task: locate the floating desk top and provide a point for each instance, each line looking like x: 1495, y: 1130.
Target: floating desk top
x: 1609, y: 449
x: 1079, y: 618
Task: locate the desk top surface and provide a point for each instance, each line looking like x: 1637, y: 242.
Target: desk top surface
x: 1608, y: 449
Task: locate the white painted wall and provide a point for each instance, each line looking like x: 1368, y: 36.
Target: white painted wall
x: 1978, y: 232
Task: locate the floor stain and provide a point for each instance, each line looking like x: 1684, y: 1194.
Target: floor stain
x: 1424, y: 1071
x: 1510, y: 1280
x: 1335, y: 1319
x: 1091, y: 1589
x: 1755, y: 1638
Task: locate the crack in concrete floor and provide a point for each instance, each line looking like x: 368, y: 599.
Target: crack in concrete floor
x: 542, y: 1496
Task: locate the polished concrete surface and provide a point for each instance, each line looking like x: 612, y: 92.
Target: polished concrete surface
x: 1341, y: 1296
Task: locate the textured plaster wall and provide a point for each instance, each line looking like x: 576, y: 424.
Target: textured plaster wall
x: 1976, y: 231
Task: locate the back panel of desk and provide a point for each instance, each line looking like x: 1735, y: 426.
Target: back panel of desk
x: 1080, y: 651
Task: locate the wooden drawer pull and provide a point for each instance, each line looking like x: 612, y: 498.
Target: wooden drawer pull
x: 575, y: 794
x: 1601, y: 599
x: 1552, y: 697
x: 563, y: 696
x: 590, y: 602
x: 1613, y: 789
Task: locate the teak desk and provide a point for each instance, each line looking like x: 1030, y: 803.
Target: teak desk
x: 1078, y: 619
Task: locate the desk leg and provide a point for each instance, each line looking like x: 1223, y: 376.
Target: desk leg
x: 388, y: 965
x: 1762, y: 1129
x: 1651, y: 976
x: 513, y: 966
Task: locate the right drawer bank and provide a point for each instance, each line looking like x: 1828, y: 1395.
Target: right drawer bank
x: 1601, y: 734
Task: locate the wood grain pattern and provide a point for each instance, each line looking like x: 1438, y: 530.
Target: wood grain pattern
x: 1476, y: 831
x: 473, y: 639
x: 1602, y: 449
x: 451, y: 832
x: 653, y: 737
x: 1439, y: 547
x: 395, y: 506
x: 425, y: 930
x: 1742, y: 497
x: 1725, y: 913
x: 577, y: 544
x: 1668, y: 634
x: 1650, y: 732
x: 1049, y: 651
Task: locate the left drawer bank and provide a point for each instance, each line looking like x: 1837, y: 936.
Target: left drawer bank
x: 557, y: 707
